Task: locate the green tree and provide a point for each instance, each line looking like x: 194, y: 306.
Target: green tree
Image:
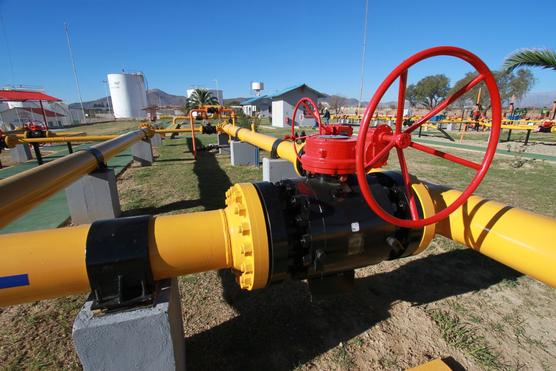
x: 544, y: 58
x: 200, y: 98
x: 510, y: 85
x: 429, y: 91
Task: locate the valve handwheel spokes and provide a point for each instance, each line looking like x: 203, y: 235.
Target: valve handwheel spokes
x: 400, y: 139
x: 310, y: 106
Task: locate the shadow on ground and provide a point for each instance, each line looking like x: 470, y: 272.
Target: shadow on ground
x: 280, y: 328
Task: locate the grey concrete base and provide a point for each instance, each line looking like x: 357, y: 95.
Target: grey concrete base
x: 142, y: 152
x: 148, y: 338
x: 21, y: 153
x: 223, y: 141
x: 275, y: 170
x: 243, y: 154
x: 156, y: 140
x: 94, y: 197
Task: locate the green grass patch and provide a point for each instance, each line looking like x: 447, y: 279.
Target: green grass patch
x: 463, y: 336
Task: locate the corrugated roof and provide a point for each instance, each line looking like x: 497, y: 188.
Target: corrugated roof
x: 253, y: 100
x: 38, y: 111
x: 22, y: 95
x: 298, y: 86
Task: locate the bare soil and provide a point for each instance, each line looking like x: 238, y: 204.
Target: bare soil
x: 446, y: 302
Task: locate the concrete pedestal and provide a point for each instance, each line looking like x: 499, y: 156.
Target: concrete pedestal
x: 147, y: 338
x: 243, y: 154
x: 275, y: 170
x: 142, y: 152
x: 156, y: 140
x: 21, y: 153
x: 223, y: 141
x: 94, y: 197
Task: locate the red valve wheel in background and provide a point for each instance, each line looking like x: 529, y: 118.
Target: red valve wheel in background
x: 401, y: 139
x: 308, y: 105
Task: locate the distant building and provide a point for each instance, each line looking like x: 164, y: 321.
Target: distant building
x: 284, y: 101
x: 18, y: 116
x: 261, y: 106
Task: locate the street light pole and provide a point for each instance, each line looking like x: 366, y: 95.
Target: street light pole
x: 74, y: 69
x: 217, y: 91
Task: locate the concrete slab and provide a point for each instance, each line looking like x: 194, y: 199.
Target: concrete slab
x: 146, y: 338
x: 243, y: 154
x: 275, y: 170
x: 223, y: 141
x: 21, y: 153
x: 156, y: 140
x: 94, y: 197
x: 143, y: 152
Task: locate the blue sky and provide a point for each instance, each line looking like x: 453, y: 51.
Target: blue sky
x: 182, y: 43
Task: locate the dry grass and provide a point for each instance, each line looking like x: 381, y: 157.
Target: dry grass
x: 448, y: 301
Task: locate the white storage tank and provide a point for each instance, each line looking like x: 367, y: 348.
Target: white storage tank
x: 128, y: 94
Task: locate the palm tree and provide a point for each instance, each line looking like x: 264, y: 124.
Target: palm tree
x: 200, y: 98
x: 544, y: 58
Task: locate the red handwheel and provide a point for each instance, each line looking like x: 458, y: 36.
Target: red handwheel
x: 401, y: 139
x: 310, y: 106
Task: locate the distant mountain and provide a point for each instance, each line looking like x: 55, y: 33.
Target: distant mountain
x: 155, y: 97
x: 351, y: 102
x: 537, y: 99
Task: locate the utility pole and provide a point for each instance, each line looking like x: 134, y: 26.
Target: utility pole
x: 74, y: 69
x: 363, y: 52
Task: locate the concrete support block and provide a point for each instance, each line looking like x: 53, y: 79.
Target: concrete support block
x: 21, y: 153
x: 146, y: 338
x: 223, y: 141
x: 94, y: 197
x: 275, y: 170
x: 243, y: 154
x: 142, y: 152
x: 156, y: 140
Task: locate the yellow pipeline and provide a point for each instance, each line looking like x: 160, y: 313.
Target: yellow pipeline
x: 514, y: 237
x: 234, y: 237
x: 185, y: 130
x: 52, y: 134
x: 285, y: 149
x: 23, y: 191
x: 10, y: 142
x: 181, y: 118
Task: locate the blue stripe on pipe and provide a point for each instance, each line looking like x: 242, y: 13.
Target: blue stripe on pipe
x: 14, y: 281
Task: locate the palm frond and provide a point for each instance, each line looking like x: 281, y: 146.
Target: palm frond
x: 544, y: 58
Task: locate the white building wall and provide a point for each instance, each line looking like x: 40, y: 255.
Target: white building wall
x: 282, y: 109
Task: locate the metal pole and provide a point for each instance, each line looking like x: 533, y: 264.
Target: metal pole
x: 363, y: 52
x: 74, y: 69
x: 218, y: 93
x: 527, y: 136
x: 44, y: 115
x: 109, y: 97
x: 38, y: 154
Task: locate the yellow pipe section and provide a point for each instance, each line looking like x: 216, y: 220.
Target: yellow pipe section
x: 285, y: 149
x: 520, y: 239
x: 181, y: 118
x: 185, y: 130
x: 21, y: 192
x: 179, y: 245
x: 55, y: 262
x: 91, y: 138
